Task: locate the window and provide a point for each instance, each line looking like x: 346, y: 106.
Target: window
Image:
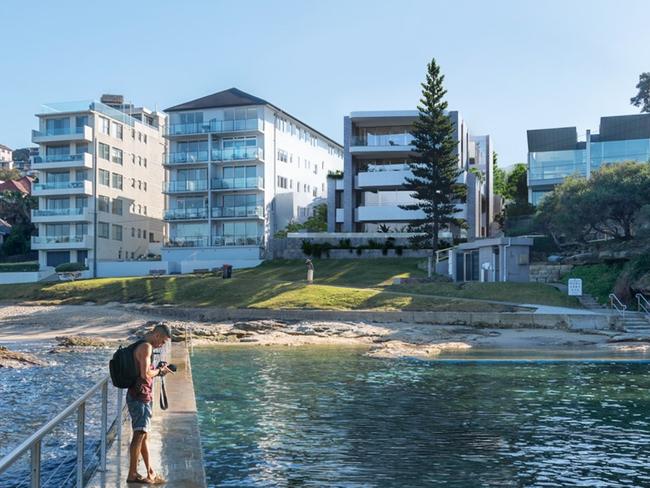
x: 144, y: 233
x: 104, y: 177
x: 139, y: 209
x: 291, y: 184
x: 133, y: 158
x: 104, y: 151
x: 144, y: 209
x: 117, y: 232
x: 145, y: 162
x: 145, y: 138
x: 117, y: 206
x: 140, y: 136
x: 117, y: 181
x: 144, y: 185
x: 139, y: 234
x: 151, y: 237
x: 117, y: 130
x: 139, y: 185
x: 103, y: 203
x: 116, y: 155
x: 283, y: 156
x: 297, y: 186
x: 282, y: 182
x: 104, y: 125
x: 132, y: 133
x: 132, y: 231
x: 139, y: 160
x: 102, y: 230
x: 314, y: 191
x: 132, y: 182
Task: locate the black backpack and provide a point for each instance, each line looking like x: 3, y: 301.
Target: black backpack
x: 123, y: 369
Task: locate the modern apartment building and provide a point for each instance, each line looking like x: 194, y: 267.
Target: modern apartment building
x: 554, y: 154
x: 378, y: 146
x: 99, y: 182
x: 238, y: 170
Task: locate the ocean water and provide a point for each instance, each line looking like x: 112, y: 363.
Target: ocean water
x: 331, y: 417
x: 30, y: 397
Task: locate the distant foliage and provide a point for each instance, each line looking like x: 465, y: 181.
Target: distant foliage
x: 642, y: 98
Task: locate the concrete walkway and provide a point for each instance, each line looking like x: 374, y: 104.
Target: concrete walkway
x: 174, y: 442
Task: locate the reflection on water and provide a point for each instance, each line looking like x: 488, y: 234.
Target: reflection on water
x: 30, y: 397
x: 332, y: 417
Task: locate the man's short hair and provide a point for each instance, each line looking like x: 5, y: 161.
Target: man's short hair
x: 163, y: 329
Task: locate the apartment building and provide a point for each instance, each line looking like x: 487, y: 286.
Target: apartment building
x: 238, y: 170
x: 99, y: 182
x: 554, y: 154
x: 6, y: 160
x: 378, y: 145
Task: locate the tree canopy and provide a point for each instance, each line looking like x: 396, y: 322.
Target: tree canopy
x: 642, y: 98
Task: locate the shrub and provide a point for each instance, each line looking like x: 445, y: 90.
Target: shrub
x: 345, y: 243
x: 68, y: 267
x: 399, y: 250
x: 307, y: 247
x: 372, y: 244
x: 384, y: 250
x: 359, y: 250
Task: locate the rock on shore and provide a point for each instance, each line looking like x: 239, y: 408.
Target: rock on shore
x: 395, y: 349
x: 14, y: 359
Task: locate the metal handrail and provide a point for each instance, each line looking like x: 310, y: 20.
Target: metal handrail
x: 443, y: 254
x: 642, y: 303
x: 617, y: 305
x: 33, y: 442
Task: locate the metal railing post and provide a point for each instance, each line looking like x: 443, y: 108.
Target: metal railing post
x: 102, y: 452
x: 36, y: 464
x: 81, y: 420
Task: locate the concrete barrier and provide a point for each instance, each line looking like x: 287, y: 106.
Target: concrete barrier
x: 114, y: 269
x: 474, y: 319
x: 25, y: 276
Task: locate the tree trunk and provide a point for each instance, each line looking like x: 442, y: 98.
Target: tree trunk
x: 434, y: 246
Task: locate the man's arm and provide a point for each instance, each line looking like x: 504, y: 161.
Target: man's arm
x: 143, y: 360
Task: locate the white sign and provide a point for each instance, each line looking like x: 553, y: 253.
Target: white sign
x: 575, y: 287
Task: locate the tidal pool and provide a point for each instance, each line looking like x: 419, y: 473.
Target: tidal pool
x: 330, y: 417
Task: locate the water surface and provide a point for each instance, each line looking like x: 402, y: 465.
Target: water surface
x: 330, y: 417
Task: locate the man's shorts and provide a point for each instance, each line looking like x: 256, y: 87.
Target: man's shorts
x: 140, y: 413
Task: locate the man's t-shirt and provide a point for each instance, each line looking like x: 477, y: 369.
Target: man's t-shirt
x: 142, y: 390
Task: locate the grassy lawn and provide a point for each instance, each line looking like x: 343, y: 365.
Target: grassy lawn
x: 339, y: 285
x: 18, y: 267
x: 597, y: 279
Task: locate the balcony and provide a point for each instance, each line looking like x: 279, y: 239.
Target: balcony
x: 57, y: 161
x: 185, y: 186
x: 83, y: 133
x: 192, y: 157
x: 340, y: 215
x: 215, y: 127
x: 61, y: 242
x: 237, y: 240
x: 44, y: 216
x: 387, y: 144
x: 239, y: 212
x: 238, y: 154
x: 196, y: 241
x: 186, y: 214
x: 250, y: 183
x: 84, y: 187
x: 391, y: 212
x: 382, y: 176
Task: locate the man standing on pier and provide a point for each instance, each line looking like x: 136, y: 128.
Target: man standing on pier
x: 139, y: 399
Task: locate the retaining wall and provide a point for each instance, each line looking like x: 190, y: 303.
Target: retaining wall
x: 26, y: 276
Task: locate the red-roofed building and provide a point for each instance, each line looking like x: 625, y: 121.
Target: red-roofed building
x: 23, y: 185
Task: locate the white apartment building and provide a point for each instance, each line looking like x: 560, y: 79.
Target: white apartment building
x: 6, y: 161
x: 99, y: 182
x: 238, y: 170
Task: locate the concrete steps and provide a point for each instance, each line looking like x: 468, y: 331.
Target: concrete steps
x: 636, y: 323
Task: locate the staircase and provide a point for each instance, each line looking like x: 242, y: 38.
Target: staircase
x: 590, y: 303
x: 636, y: 323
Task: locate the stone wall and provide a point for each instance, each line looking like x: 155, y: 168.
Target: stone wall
x: 548, y: 273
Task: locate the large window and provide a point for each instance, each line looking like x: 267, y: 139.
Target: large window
x: 117, y: 130
x: 102, y: 230
x: 116, y: 155
x: 104, y: 125
x: 103, y: 203
x: 104, y: 151
x: 60, y: 150
x: 117, y: 232
x: 104, y: 177
x: 117, y: 181
x: 117, y: 206
x: 56, y: 127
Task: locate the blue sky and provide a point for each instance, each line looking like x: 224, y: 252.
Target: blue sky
x: 509, y: 65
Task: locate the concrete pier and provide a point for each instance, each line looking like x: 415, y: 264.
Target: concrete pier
x: 174, y: 442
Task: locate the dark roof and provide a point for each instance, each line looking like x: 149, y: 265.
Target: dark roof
x: 226, y: 98
x: 234, y: 97
x: 559, y: 139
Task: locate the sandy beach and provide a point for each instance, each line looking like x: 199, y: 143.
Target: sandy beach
x: 115, y: 322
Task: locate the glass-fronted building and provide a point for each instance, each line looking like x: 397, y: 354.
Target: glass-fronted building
x: 554, y: 154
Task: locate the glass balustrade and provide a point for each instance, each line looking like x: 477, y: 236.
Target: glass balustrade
x: 237, y: 240
x: 60, y: 185
x: 216, y: 126
x: 59, y: 131
x: 238, y: 211
x: 237, y: 153
x: 55, y: 158
x: 186, y: 213
x: 185, y: 186
x: 187, y: 157
x: 237, y: 183
x: 397, y: 139
x: 57, y: 239
x: 58, y: 212
x: 195, y: 241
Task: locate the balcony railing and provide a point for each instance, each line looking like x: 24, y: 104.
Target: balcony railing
x: 57, y: 239
x: 400, y: 139
x: 380, y: 168
x: 237, y: 240
x: 237, y: 183
x: 58, y: 212
x: 61, y: 131
x: 186, y: 213
x: 60, y: 185
x: 196, y: 241
x: 243, y: 211
x: 187, y: 157
x: 185, y: 186
x: 55, y: 158
x: 216, y: 126
x: 237, y: 154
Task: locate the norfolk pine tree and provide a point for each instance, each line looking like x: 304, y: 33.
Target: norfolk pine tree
x: 434, y: 164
